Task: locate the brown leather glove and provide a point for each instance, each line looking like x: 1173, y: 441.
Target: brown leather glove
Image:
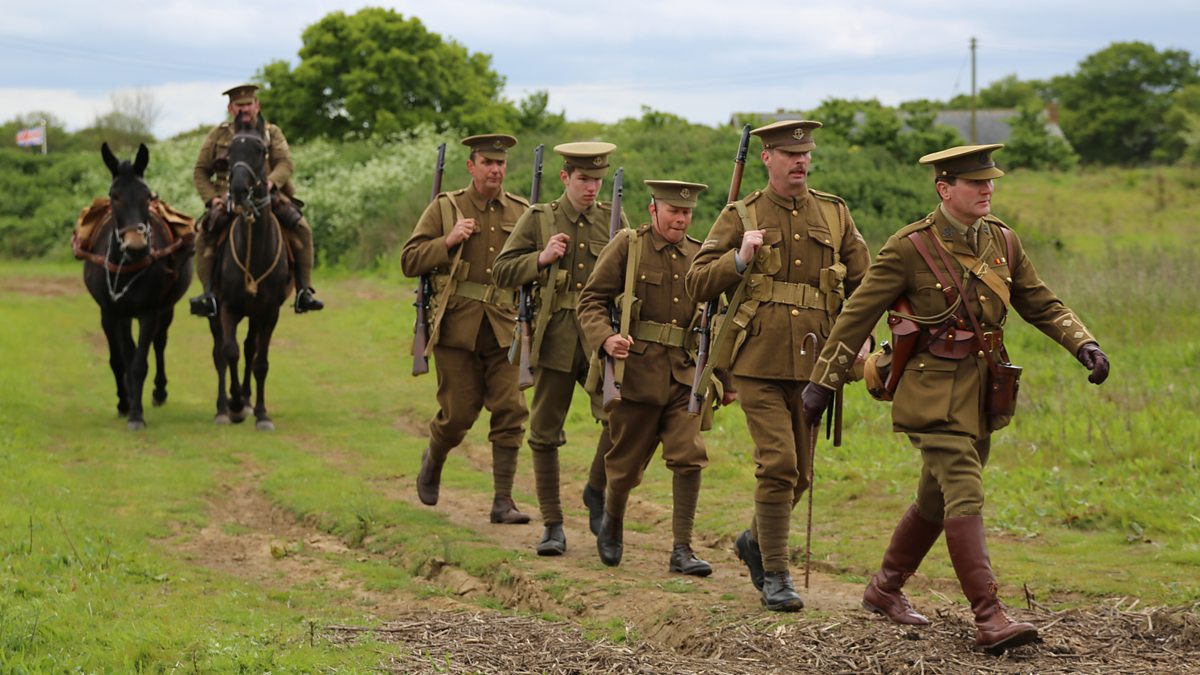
x: 816, y: 400
x: 1094, y: 359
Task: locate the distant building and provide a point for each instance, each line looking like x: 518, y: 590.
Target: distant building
x: 991, y: 126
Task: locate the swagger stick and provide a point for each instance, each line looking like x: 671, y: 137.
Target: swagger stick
x: 812, y: 458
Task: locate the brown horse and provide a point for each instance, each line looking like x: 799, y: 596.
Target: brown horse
x: 136, y: 269
x: 252, y: 278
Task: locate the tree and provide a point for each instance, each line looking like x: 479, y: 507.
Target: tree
x: 375, y: 73
x: 533, y: 114
x: 1006, y: 92
x: 1114, y: 108
x: 1032, y: 146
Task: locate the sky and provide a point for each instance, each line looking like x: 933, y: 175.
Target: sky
x: 700, y: 59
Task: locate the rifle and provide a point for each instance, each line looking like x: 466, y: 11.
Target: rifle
x: 519, y: 351
x: 425, y: 287
x: 703, y: 372
x: 612, y: 385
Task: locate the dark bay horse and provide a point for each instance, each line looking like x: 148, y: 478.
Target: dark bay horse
x: 137, y: 269
x: 252, y: 278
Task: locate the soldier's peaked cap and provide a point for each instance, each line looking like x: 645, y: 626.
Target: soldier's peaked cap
x: 973, y: 162
x: 241, y: 94
x: 676, y: 192
x: 789, y: 135
x: 492, y: 146
x: 590, y: 158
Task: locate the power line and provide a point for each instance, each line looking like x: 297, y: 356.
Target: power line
x: 93, y: 55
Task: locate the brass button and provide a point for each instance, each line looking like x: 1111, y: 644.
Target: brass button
x: 580, y: 265
x: 827, y: 241
x: 643, y: 277
x: 673, y: 256
x: 488, y: 270
x: 491, y: 208
x: 674, y: 299
x: 981, y: 353
x: 1008, y: 279
x: 796, y: 236
x: 491, y: 248
x: 795, y: 312
x: 493, y: 229
x: 795, y: 212
x: 674, y: 276
x: 796, y: 262
x: 920, y: 365
x: 982, y: 298
x: 578, y: 284
x: 938, y: 286
x: 582, y: 245
x: 675, y: 321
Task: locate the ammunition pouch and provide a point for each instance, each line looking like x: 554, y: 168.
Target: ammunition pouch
x: 831, y: 279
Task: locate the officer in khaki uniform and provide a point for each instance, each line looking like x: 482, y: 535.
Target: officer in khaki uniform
x: 658, y: 368
x: 211, y: 177
x: 459, y: 234
x: 557, y: 244
x: 802, y: 254
x: 941, y: 401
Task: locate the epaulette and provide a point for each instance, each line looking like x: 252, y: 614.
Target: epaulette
x: 643, y: 228
x: 517, y: 198
x: 460, y: 191
x: 223, y: 125
x: 991, y: 218
x: 553, y: 205
x: 603, y: 206
x: 692, y: 239
x: 921, y: 224
x: 827, y: 196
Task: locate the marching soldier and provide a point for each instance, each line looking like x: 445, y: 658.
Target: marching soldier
x: 959, y: 268
x: 799, y: 253
x: 457, y: 238
x: 557, y: 244
x: 211, y: 176
x: 658, y: 368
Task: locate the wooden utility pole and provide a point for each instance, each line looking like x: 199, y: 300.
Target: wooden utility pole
x: 974, y: 131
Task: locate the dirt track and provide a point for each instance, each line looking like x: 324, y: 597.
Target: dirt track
x: 671, y: 623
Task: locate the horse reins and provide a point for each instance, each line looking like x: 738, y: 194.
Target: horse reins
x: 256, y: 208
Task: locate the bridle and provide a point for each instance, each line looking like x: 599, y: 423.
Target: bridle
x: 256, y: 202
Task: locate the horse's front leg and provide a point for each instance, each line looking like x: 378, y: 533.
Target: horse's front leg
x: 249, y: 348
x: 116, y: 357
x: 237, y: 402
x: 137, y: 368
x: 160, y: 361
x: 262, y: 364
x: 218, y: 356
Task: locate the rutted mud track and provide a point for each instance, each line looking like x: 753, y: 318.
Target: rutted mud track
x: 670, y: 623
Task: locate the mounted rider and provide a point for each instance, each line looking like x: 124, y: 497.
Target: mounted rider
x: 211, y: 176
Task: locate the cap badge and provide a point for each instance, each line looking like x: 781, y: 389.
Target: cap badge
x: 798, y: 134
x: 685, y: 193
x: 597, y: 160
x: 498, y: 144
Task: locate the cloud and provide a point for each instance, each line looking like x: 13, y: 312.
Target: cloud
x: 184, y: 105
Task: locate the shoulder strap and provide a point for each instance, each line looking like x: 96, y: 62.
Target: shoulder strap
x: 836, y: 224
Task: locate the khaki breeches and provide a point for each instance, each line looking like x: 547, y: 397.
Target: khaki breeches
x: 638, y: 428
x: 775, y: 419
x: 951, y: 482
x: 469, y: 381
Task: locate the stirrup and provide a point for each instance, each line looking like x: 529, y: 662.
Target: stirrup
x: 203, y: 305
x: 307, y: 302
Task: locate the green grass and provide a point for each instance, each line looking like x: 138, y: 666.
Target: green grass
x: 1091, y: 492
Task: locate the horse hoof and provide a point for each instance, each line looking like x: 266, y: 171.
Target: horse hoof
x: 158, y: 399
x: 265, y: 425
x: 238, y: 417
x: 135, y: 425
x: 221, y: 420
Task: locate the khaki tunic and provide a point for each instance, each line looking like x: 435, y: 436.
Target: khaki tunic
x: 471, y: 352
x: 770, y: 369
x: 211, y: 182
x: 657, y: 381
x: 562, y: 360
x: 939, y: 402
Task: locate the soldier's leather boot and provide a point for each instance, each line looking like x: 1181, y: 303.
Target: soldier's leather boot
x: 995, y: 632
x: 204, y: 305
x: 747, y: 551
x: 306, y: 301
x: 504, y: 510
x: 429, y: 479
x: 593, y: 499
x: 684, y: 561
x: 911, y: 541
x: 610, y: 542
x: 554, y: 541
x: 778, y: 593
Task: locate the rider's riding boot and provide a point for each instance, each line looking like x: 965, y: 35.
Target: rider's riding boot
x: 300, y: 239
x: 204, y: 304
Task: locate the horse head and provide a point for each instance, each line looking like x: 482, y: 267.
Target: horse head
x: 248, y: 151
x: 130, y: 197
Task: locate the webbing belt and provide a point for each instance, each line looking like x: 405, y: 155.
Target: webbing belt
x: 486, y: 293
x: 767, y: 289
x: 658, y: 333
